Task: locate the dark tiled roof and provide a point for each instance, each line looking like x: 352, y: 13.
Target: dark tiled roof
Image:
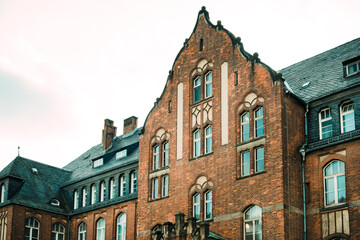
x: 37, y: 189
x: 324, y: 72
x: 82, y: 166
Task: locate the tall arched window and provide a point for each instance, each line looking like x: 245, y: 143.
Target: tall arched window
x: 121, y: 227
x: 84, y: 196
x: 252, y: 224
x: 100, y: 229
x: 82, y: 231
x: 102, y: 191
x: 122, y: 185
x: 208, y: 205
x: 334, y: 183
x: 32, y: 227
x: 58, y: 232
x: 347, y: 117
x: 76, y: 199
x: 133, y: 182
x: 2, y: 198
x: 196, y: 206
x: 93, y: 193
x: 112, y: 188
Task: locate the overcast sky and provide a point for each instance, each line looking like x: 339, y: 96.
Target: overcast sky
x: 66, y: 65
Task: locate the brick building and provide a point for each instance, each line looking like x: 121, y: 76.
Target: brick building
x: 232, y: 149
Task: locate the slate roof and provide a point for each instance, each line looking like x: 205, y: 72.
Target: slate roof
x: 37, y: 190
x: 324, y: 72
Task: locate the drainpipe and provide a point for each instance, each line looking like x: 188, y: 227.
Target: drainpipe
x: 68, y: 231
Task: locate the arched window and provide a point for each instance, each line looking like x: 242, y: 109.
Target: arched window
x: 93, y: 193
x: 325, y: 123
x: 58, y: 232
x: 76, y: 199
x: 165, y: 160
x: 252, y: 224
x: 121, y: 227
x: 84, y: 196
x: 155, y: 157
x: 196, y: 206
x: 102, y: 191
x: 2, y: 198
x: 133, y: 182
x: 82, y: 231
x: 208, y: 205
x: 258, y: 120
x: 245, y: 127
x: 32, y: 228
x: 347, y: 117
x: 122, y: 185
x: 334, y: 183
x: 100, y: 229
x: 112, y: 188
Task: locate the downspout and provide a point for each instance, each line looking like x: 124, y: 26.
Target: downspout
x: 68, y: 231
x: 303, y: 154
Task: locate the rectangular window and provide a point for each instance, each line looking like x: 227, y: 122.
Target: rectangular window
x: 121, y: 154
x: 208, y: 205
x: 245, y: 127
x: 197, y: 137
x: 165, y: 186
x: 133, y: 182
x: 259, y: 159
x: 352, y: 68
x: 259, y: 129
x: 122, y: 185
x: 208, y: 139
x: 156, y: 157
x: 208, y: 85
x: 245, y: 163
x: 98, y: 162
x: 166, y: 154
x: 155, y: 188
x: 197, y: 89
x: 347, y: 117
x: 196, y: 206
x: 325, y: 122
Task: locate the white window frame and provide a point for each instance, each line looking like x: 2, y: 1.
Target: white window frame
x: 196, y: 206
x: 344, y: 113
x: 93, y: 193
x: 155, y: 188
x: 82, y: 231
x: 112, y: 188
x: 207, y: 201
x: 76, y: 199
x: 256, y: 120
x: 195, y: 87
x: 32, y: 226
x: 253, y: 220
x: 259, y: 159
x: 58, y: 229
x: 243, y: 123
x: 324, y: 120
x: 165, y: 186
x: 357, y: 63
x: 156, y: 156
x: 102, y: 191
x: 98, y: 162
x: 336, y: 189
x: 121, y: 221
x: 208, y: 82
x: 133, y: 181
x: 243, y: 163
x: 121, y: 154
x: 100, y: 230
x: 165, y: 155
x: 84, y: 196
x: 197, y: 143
x: 122, y: 185
x: 2, y: 193
x: 208, y: 136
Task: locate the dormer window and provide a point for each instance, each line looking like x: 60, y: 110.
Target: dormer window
x: 55, y: 202
x: 351, y: 66
x: 121, y: 154
x: 98, y: 162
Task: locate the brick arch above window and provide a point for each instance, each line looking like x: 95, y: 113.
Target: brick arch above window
x: 202, y: 184
x: 250, y: 102
x: 160, y: 135
x: 203, y: 65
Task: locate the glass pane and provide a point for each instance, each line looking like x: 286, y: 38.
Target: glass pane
x: 329, y: 184
x: 255, y: 212
x: 208, y: 210
x: 245, y: 163
x: 341, y: 182
x: 260, y: 165
x: 197, y: 94
x: 259, y: 127
x: 27, y: 232
x: 259, y: 113
x: 249, y: 227
x: 330, y: 198
x: 208, y: 90
x: 341, y: 196
x: 53, y: 236
x: 208, y: 144
x: 245, y: 132
x: 61, y: 237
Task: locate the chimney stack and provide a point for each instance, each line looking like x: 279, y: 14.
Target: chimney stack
x: 108, y: 133
x: 130, y: 124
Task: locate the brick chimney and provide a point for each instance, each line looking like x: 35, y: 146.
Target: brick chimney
x: 108, y: 133
x: 130, y: 124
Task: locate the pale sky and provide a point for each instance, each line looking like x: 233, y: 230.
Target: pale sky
x: 66, y: 65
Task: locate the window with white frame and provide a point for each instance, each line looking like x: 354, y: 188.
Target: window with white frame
x: 155, y: 188
x: 197, y: 89
x: 245, y: 163
x: 100, y: 229
x: 208, y: 85
x: 334, y: 183
x: 165, y: 185
x: 208, y: 139
x: 98, y: 162
x: 121, y: 154
x: 2, y: 197
x: 121, y: 227
x: 325, y: 123
x: 197, y: 139
x: 76, y: 199
x: 133, y: 182
x: 165, y: 154
x: 259, y: 128
x: 32, y: 228
x: 84, y: 196
x: 259, y: 159
x: 58, y: 232
x: 208, y: 205
x: 122, y: 185
x: 82, y: 231
x: 102, y: 191
x: 252, y: 224
x: 112, y: 188
x: 93, y: 193
x: 156, y: 157
x: 245, y: 127
x: 352, y: 68
x: 347, y: 117
x: 196, y: 206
